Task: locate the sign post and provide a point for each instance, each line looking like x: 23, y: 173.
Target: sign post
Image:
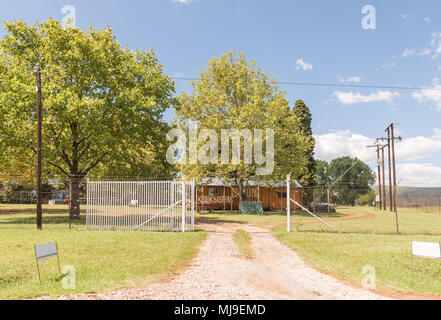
x: 46, y: 251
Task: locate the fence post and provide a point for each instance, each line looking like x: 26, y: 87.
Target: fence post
x: 183, y: 204
x: 329, y: 200
x: 288, y: 202
x: 439, y: 204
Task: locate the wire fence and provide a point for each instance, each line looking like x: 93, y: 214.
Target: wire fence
x: 65, y: 202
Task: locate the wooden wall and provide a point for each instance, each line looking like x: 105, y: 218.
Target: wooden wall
x: 227, y: 198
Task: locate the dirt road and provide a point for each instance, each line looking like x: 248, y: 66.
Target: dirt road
x: 218, y: 272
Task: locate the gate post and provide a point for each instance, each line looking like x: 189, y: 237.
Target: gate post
x: 183, y: 204
x: 193, y: 184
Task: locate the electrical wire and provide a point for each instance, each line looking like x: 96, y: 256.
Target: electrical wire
x: 333, y: 85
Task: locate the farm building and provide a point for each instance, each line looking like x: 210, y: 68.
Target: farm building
x: 219, y: 194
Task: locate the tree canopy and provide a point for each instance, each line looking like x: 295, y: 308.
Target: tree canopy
x: 102, y: 104
x: 234, y: 93
x: 301, y: 111
x: 348, y: 178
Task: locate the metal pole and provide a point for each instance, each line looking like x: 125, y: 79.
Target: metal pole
x: 183, y: 205
x: 288, y: 203
x: 329, y: 199
x: 39, y: 169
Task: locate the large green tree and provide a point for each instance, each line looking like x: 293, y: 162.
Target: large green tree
x: 102, y: 104
x: 302, y: 112
x: 348, y: 178
x: 234, y: 93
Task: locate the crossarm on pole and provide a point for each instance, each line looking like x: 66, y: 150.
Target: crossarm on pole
x: 319, y: 219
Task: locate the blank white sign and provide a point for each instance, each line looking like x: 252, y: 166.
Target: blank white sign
x: 45, y: 251
x: 426, y: 249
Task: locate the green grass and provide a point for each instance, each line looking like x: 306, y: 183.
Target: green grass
x: 243, y: 241
x: 103, y: 260
x: 366, y: 237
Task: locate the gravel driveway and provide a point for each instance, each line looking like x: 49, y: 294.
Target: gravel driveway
x: 218, y: 272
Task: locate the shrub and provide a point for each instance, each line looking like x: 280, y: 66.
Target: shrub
x: 366, y: 199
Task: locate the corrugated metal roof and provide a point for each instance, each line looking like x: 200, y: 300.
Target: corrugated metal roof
x: 251, y: 183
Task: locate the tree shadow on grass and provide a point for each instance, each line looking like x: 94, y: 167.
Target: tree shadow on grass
x: 47, y: 219
x: 216, y: 220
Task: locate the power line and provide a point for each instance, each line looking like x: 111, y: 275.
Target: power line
x: 311, y: 84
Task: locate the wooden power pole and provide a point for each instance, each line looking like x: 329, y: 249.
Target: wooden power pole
x: 39, y: 168
x: 389, y: 159
x: 379, y: 165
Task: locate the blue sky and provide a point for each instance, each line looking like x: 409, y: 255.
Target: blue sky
x: 300, y: 41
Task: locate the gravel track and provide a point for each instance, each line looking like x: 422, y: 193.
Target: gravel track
x: 218, y: 272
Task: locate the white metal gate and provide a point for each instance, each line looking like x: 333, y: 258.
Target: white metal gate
x: 140, y: 205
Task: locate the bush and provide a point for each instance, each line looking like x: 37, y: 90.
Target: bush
x: 366, y: 199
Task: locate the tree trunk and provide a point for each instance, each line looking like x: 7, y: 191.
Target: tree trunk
x: 239, y: 186
x: 74, y: 201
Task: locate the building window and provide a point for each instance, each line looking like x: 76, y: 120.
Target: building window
x: 281, y: 195
x: 214, y: 192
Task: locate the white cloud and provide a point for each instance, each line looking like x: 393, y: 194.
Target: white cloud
x: 302, y: 64
x: 435, y: 43
x: 353, y: 79
x: 430, y: 95
x: 419, y: 174
x: 408, y: 53
x: 347, y: 143
x: 348, y: 98
x: 341, y: 143
x: 427, y: 20
x: 177, y: 75
x: 184, y: 1
x: 404, y: 16
x: 425, y: 52
x: 390, y: 63
x: 419, y: 148
x: 434, y: 46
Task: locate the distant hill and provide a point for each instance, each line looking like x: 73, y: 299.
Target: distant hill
x: 415, y: 192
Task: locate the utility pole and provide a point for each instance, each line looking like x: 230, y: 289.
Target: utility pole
x: 384, y: 180
x: 391, y: 152
x: 379, y: 165
x: 390, y: 170
x: 379, y: 176
x: 39, y: 169
x: 394, y: 167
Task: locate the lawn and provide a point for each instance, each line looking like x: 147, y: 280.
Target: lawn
x: 103, y: 261
x: 367, y: 237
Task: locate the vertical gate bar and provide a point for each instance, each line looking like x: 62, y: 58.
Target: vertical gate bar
x: 105, y: 196
x: 87, y: 204
x: 97, y: 205
x: 183, y: 205
x: 92, y: 201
